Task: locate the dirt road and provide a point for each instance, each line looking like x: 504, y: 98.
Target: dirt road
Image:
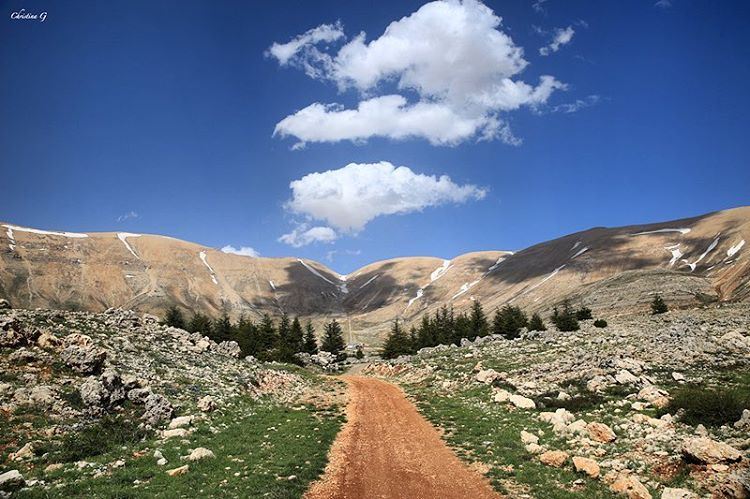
x: 388, y: 450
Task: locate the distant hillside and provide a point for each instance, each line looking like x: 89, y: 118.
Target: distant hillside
x: 614, y: 271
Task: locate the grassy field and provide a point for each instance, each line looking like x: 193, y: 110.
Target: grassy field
x: 262, y: 450
x: 490, y: 434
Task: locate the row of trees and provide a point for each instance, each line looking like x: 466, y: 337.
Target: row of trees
x: 446, y: 327
x: 264, y: 340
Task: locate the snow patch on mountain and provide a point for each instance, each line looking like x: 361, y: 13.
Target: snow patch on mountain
x: 682, y: 231
x: 9, y: 233
x: 440, y: 271
x: 500, y: 260
x: 273, y: 286
x: 123, y: 236
x: 734, y: 249
x: 676, y: 253
x: 465, y: 287
x: 369, y: 280
x: 420, y: 292
x: 703, y: 255
x: 580, y: 252
x: 532, y: 288
x: 202, y: 256
x: 76, y: 235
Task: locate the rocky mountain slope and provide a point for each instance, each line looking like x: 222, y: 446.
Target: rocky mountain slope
x: 612, y: 270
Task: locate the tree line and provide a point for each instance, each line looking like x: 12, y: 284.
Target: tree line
x: 265, y: 340
x: 446, y: 327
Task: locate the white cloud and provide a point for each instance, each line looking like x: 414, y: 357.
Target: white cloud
x: 244, y: 251
x: 127, y: 216
x: 563, y: 36
x: 305, y: 44
x: 663, y: 4
x: 451, y: 54
x: 302, y: 236
x: 350, y: 197
x: 577, y: 105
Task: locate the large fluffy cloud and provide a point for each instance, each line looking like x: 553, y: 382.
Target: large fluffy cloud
x: 348, y: 198
x: 450, y: 54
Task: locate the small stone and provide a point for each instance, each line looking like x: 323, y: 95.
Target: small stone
x: 53, y: 467
x: 175, y: 433
x: 25, y: 452
x: 521, y: 402
x: 179, y: 471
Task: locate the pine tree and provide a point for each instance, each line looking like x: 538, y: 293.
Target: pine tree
x: 360, y: 354
x: 266, y: 339
x: 221, y: 329
x: 536, y: 323
x: 333, y: 338
x: 479, y: 325
x: 583, y: 313
x: 290, y: 339
x: 310, y: 344
x: 463, y: 327
x: 658, y: 306
x: 508, y: 322
x: 426, y: 336
x: 174, y: 318
x: 397, y: 342
x: 566, y: 320
x: 200, y: 323
x: 246, y: 333
x: 296, y: 336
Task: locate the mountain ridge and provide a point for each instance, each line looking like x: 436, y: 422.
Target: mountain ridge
x: 692, y: 261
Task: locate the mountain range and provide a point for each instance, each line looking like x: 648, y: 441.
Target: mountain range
x: 693, y: 261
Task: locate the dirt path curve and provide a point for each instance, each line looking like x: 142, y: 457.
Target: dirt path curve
x: 388, y: 450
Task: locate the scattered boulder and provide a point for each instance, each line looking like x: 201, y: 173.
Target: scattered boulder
x: 181, y: 422
x: 207, y: 404
x: 735, y: 341
x: 200, y: 453
x: 229, y: 349
x: 625, y: 377
x: 25, y: 452
x: 735, y: 486
x: 630, y: 486
x: 529, y: 438
x: 139, y: 395
x: 487, y: 376
x: 706, y: 451
x: 601, y: 432
x: 176, y: 433
x: 744, y: 421
x: 521, y: 402
x: 556, y: 458
x: 671, y: 493
x: 158, y: 409
x: 11, y: 480
x: 598, y: 384
x: 655, y: 396
x: 182, y: 470
x: 48, y: 341
x: 4, y: 304
x: 84, y: 359
x: 586, y: 465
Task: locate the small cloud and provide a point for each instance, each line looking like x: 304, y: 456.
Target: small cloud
x: 538, y: 6
x: 243, y: 251
x: 663, y: 4
x: 572, y: 107
x: 127, y: 216
x: 302, y: 236
x: 563, y: 36
x: 331, y: 254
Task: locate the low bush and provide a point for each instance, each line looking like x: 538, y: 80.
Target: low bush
x: 709, y: 406
x: 600, y: 323
x: 99, y: 438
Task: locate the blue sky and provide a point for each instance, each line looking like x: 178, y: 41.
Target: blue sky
x: 167, y: 110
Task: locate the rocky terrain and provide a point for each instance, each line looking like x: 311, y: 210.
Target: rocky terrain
x: 83, y: 395
x: 593, y: 413
x: 690, y: 262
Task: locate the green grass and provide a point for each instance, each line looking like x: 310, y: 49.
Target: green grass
x: 490, y: 433
x: 257, y: 446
